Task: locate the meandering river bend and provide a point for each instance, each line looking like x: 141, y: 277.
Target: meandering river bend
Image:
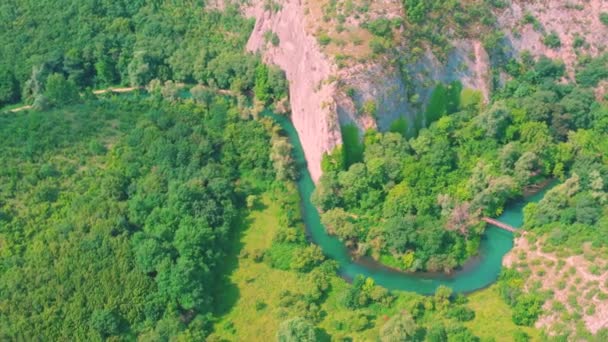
x: 480, y: 272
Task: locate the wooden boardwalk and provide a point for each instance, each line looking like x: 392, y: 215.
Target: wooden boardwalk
x: 499, y: 224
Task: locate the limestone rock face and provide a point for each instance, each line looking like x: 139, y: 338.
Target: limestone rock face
x: 313, y: 106
x: 324, y: 96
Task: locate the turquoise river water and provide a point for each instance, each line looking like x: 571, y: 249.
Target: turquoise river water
x: 478, y: 273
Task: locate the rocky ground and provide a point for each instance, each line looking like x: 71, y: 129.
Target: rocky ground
x: 579, y: 284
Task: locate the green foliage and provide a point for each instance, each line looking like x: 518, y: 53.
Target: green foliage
x: 527, y: 307
x: 604, y: 18
x: 149, y: 230
x: 333, y: 161
x: 369, y: 108
x: 352, y: 146
x: 444, y: 100
x: 552, y: 40
x: 400, y: 327
x: 470, y: 99
x: 271, y: 37
x: 323, y: 39
x: 593, y: 71
x: 400, y: 126
x: 417, y: 204
x: 381, y: 27
x: 296, y: 330
x: 110, y: 43
x: 105, y: 323
x: 9, y: 88
x: 306, y: 258
x: 60, y: 91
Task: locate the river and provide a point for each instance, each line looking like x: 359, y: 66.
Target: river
x: 479, y: 273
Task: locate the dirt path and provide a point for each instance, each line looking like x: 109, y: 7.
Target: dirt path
x: 124, y: 90
x: 115, y: 90
x: 18, y: 109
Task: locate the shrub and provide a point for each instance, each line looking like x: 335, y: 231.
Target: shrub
x: 604, y: 18
x: 552, y: 40
x: 324, y: 39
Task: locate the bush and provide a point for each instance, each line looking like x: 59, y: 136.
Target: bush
x: 323, y: 39
x: 527, y: 309
x: 296, y: 330
x: 552, y: 40
x: 380, y: 27
x: 461, y: 313
x: 604, y: 18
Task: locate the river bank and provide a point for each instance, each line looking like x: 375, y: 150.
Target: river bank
x: 481, y: 272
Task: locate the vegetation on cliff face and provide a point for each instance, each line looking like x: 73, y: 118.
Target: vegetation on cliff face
x: 419, y: 201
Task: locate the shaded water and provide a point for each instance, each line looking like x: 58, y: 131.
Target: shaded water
x: 480, y: 272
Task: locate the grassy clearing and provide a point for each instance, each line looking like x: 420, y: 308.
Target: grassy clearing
x: 255, y: 283
x: 254, y: 290
x: 251, y: 309
x: 493, y: 317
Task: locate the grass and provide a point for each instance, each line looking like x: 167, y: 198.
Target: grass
x: 493, y: 317
x: 255, y: 282
x: 252, y: 294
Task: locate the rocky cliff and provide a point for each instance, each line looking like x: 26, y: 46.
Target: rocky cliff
x: 308, y: 70
x: 326, y: 93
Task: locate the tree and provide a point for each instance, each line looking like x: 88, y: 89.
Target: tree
x: 338, y: 222
x: 540, y: 105
x: 325, y: 195
x: 105, y: 323
x: 578, y: 105
x: 604, y: 18
x: 296, y: 330
x: 400, y: 232
x: 437, y: 333
x: 442, y: 297
x: 525, y: 167
x: 399, y: 328
x: 282, y: 159
x: 306, y: 258
x: 73, y: 66
x: 9, y: 88
x: 105, y: 72
x: 60, y: 91
x: 552, y: 40
x: 520, y: 336
x: 139, y: 69
x: 527, y: 309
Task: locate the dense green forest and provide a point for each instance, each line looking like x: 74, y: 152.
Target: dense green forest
x: 117, y: 214
x: 172, y: 212
x: 417, y: 204
x: 120, y: 42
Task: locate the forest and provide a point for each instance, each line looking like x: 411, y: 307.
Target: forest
x: 116, y: 213
x: 112, y: 43
x: 171, y: 212
x: 391, y: 197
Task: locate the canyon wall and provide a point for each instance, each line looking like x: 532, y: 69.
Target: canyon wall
x: 324, y: 96
x: 308, y: 70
